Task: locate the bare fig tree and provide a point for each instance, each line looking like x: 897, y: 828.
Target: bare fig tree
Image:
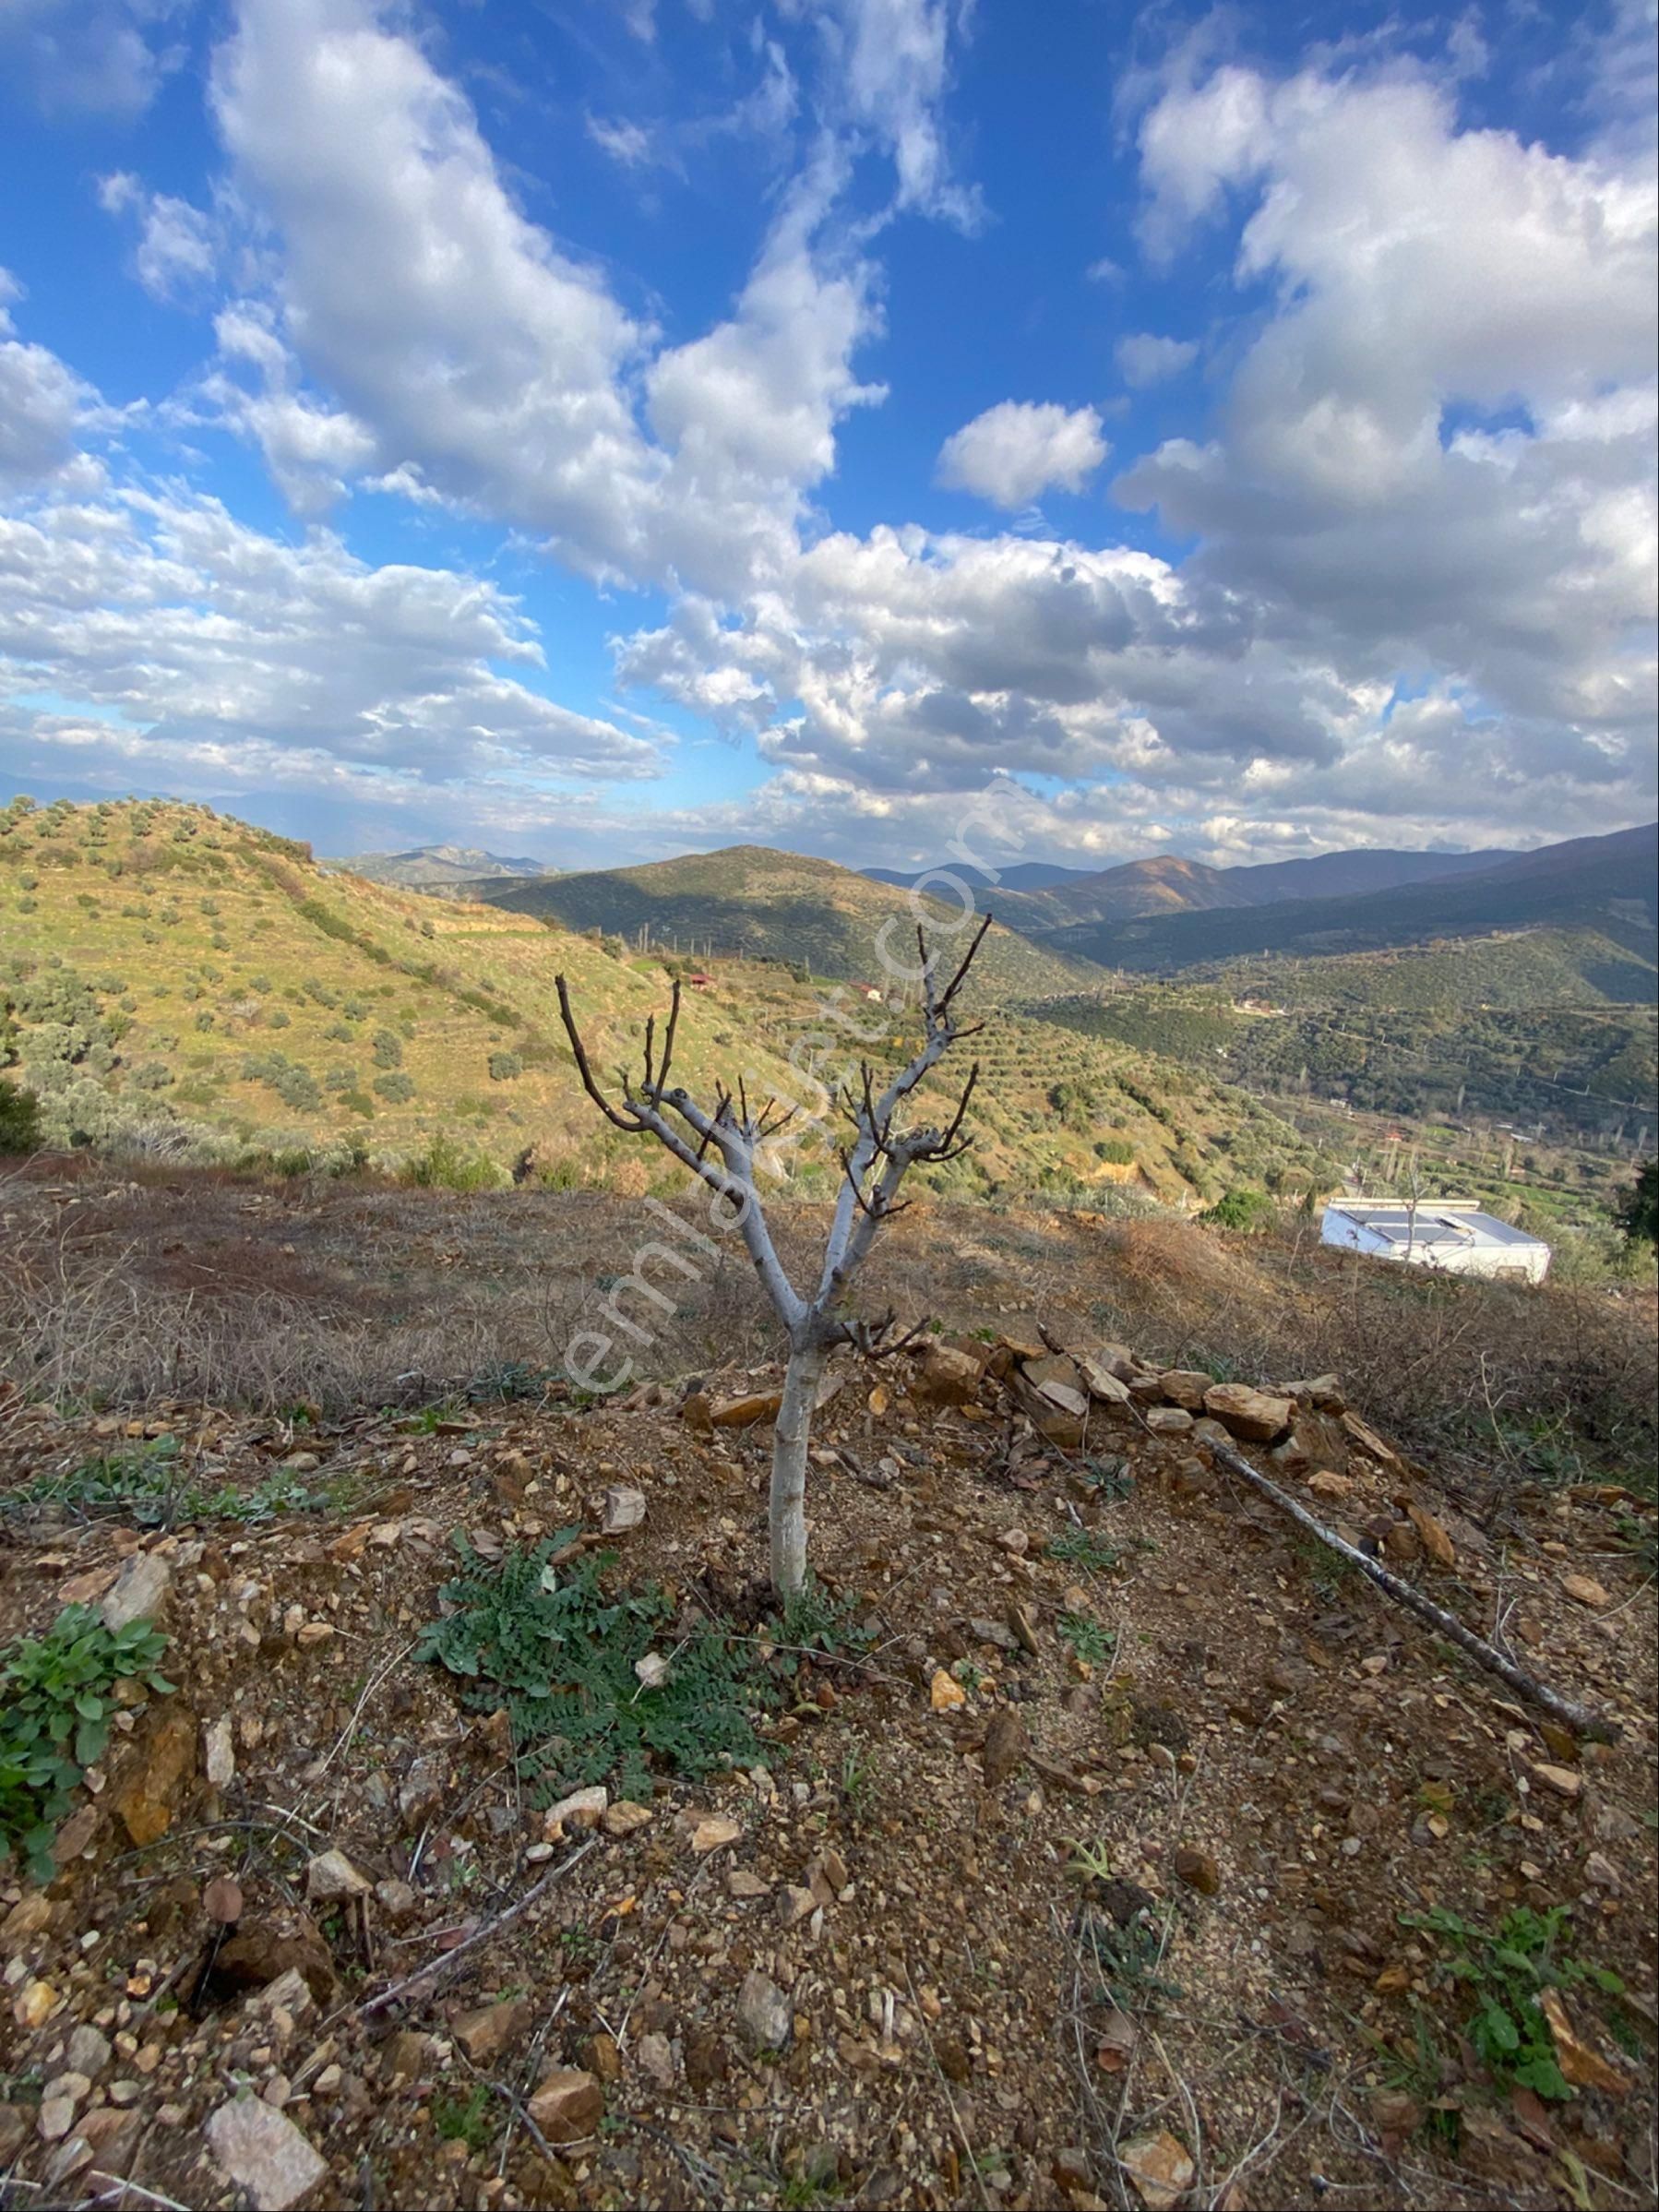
x: 724, y: 1146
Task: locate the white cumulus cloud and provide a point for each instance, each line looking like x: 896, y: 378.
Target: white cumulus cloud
x: 1146, y: 359
x: 1021, y: 447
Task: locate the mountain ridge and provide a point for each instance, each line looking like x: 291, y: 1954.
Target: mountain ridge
x: 1603, y: 883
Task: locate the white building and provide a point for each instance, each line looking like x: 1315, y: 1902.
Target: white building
x: 1451, y: 1234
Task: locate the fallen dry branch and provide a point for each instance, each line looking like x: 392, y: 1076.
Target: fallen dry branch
x: 1582, y: 1719
x: 425, y: 1978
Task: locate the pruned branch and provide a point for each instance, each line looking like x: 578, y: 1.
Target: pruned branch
x: 1583, y: 1720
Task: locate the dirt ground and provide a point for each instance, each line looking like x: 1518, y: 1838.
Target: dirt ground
x: 1064, y: 1930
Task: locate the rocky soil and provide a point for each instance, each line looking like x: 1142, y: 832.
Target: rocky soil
x: 1082, y: 1877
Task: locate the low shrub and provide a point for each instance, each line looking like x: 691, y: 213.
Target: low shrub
x: 561, y: 1655
x: 55, y: 1708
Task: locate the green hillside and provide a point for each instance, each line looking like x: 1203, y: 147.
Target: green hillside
x: 176, y: 985
x: 825, y: 920
x: 1602, y: 884
x: 1556, y: 1026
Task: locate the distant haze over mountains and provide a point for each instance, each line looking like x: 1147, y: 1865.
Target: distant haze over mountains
x: 1603, y: 884
x: 1170, y: 885
x: 438, y: 867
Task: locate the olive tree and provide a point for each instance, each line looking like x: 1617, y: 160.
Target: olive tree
x: 723, y: 1144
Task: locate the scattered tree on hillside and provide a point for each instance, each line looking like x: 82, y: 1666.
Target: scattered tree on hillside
x: 725, y: 1146
x: 1639, y: 1210
x: 19, y: 1120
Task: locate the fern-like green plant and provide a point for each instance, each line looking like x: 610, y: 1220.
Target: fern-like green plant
x: 55, y: 1707
x: 549, y: 1646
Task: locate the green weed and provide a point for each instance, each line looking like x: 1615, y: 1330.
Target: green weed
x: 465, y: 2120
x: 148, y: 1487
x: 1500, y: 1974
x: 55, y: 1708
x: 1082, y: 1547
x: 1086, y: 1639
x: 1109, y: 1479
x: 559, y: 1654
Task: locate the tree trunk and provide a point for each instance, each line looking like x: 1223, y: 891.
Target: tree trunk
x: 801, y: 1379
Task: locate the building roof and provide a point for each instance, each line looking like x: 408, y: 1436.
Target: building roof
x: 1448, y: 1224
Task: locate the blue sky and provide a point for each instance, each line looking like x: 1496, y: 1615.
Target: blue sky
x: 604, y: 431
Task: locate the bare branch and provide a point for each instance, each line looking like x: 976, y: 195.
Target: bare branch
x: 961, y: 977
x: 629, y: 1121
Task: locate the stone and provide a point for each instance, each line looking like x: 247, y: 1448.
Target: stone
x: 654, y: 2056
x: 1252, y: 1415
x: 946, y: 1378
x: 1159, y: 2167
x: 422, y: 1788
x: 1599, y: 1872
x: 795, y: 1905
x: 1102, y: 1384
x: 1566, y: 1781
x: 396, y: 1899
x: 1432, y: 1534
x: 138, y: 1593
x: 88, y: 2053
x: 30, y: 1917
x: 331, y: 1876
x: 625, y: 1816
x: 1186, y: 1386
x: 764, y: 2012
x: 222, y: 1900
x: 1198, y: 1870
x: 1401, y: 1543
x: 1584, y: 2067
x: 219, y: 1754
x: 1168, y: 1420
x: 746, y: 1412
x: 713, y: 1832
x: 582, y: 1809
x: 405, y: 2056
x: 1584, y: 1589
x: 263, y: 1949
x: 489, y: 2029
x: 261, y: 2151
x: 55, y: 2118
x: 289, y: 1995
x: 14, y: 2120
x: 945, y: 1693
x: 1359, y: 1432
x: 569, y: 2104
x: 624, y: 1508
x: 149, y: 1798
x: 1006, y: 1747
x: 1324, y: 1482
x: 1116, y: 1360
x: 35, y: 2003
x: 744, y: 1884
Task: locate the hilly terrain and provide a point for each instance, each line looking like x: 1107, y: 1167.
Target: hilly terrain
x: 1497, y: 1026
x: 1044, y: 897
x: 176, y: 984
x: 1602, y: 884
x: 824, y: 919
x: 437, y: 868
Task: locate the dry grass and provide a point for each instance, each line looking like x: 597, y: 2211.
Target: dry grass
x: 198, y: 1285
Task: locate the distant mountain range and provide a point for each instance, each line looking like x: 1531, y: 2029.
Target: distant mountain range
x: 1603, y: 884
x: 438, y: 867
x: 1059, y: 898
x: 774, y: 906
x: 1156, y: 916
